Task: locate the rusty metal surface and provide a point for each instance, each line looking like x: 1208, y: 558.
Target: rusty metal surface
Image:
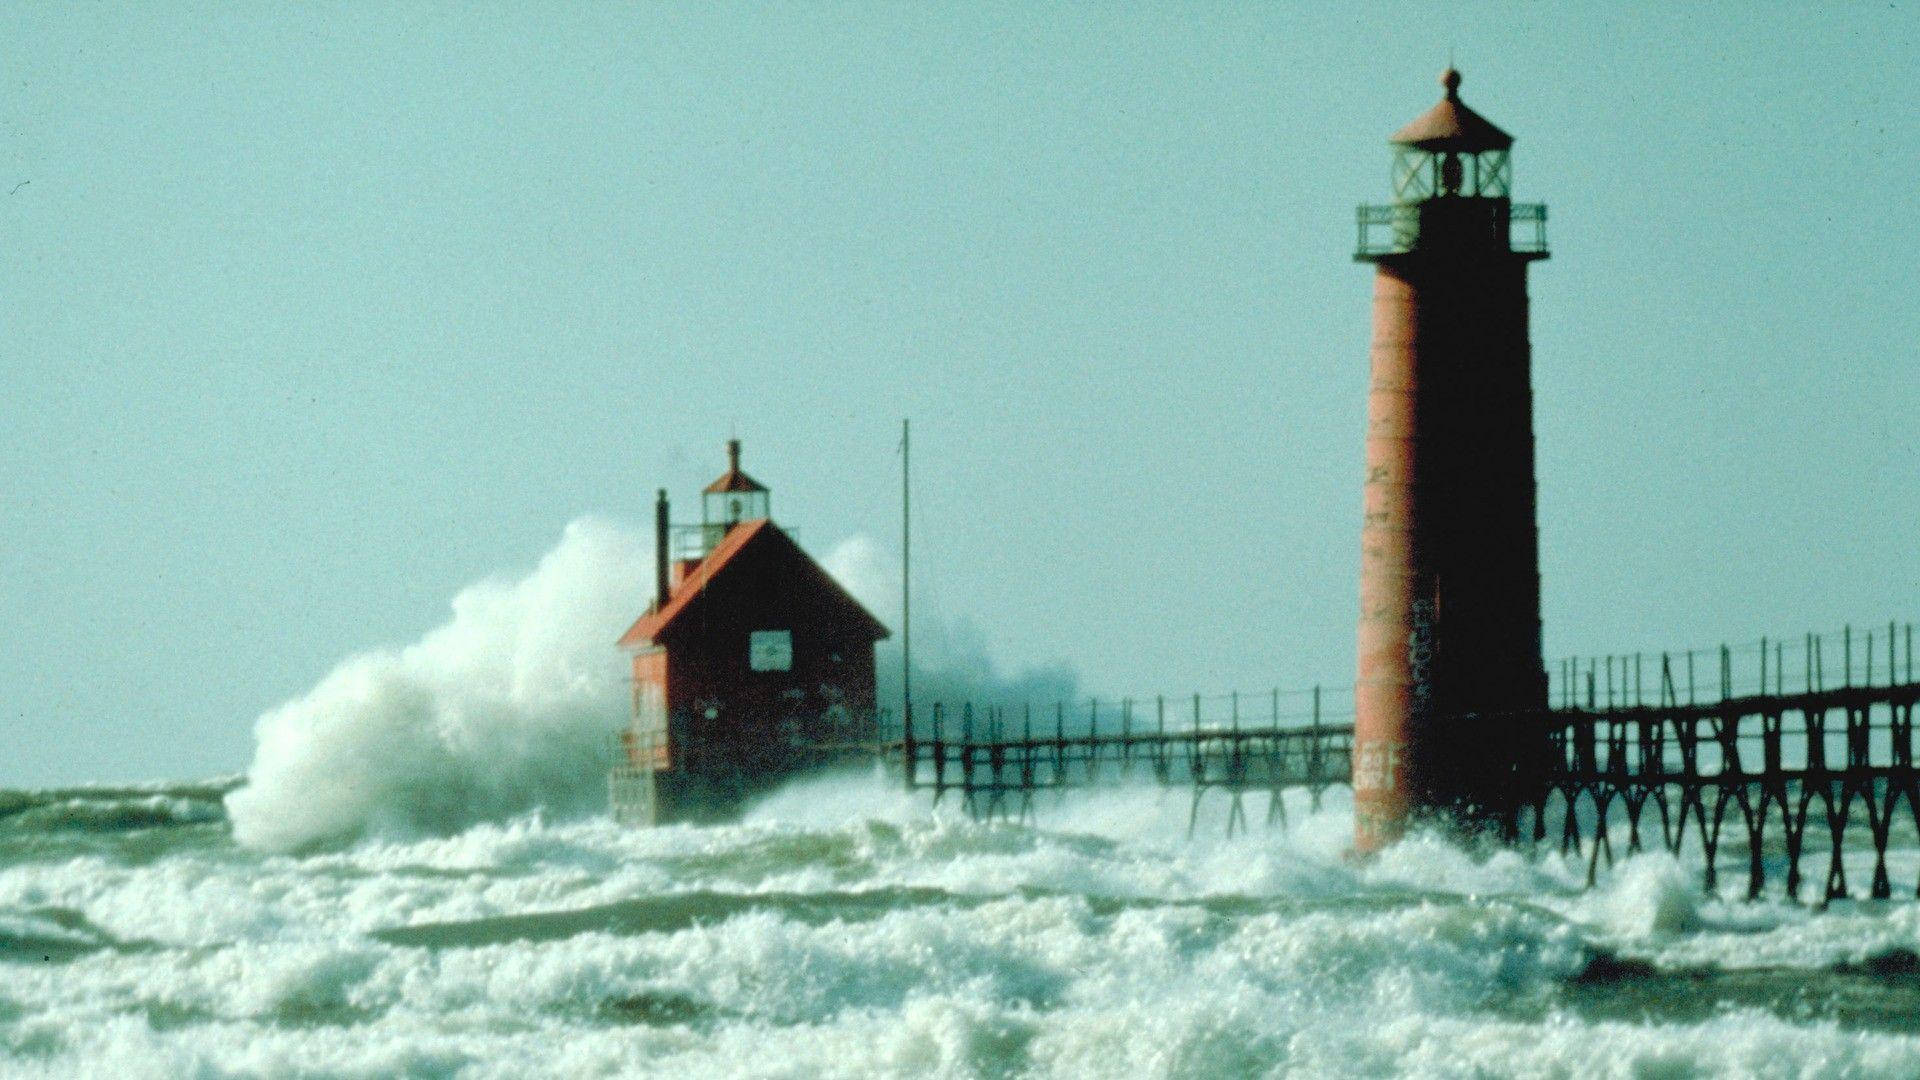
x: 1449, y: 631
x: 1450, y: 125
x: 1390, y: 572
x: 1450, y: 591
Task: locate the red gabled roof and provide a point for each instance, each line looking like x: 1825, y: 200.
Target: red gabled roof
x: 734, y: 480
x: 649, y: 627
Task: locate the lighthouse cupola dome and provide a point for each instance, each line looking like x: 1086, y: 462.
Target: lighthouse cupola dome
x: 1450, y: 151
x: 735, y: 497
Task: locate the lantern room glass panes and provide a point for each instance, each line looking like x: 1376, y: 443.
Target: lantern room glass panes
x: 1419, y: 174
x: 733, y: 507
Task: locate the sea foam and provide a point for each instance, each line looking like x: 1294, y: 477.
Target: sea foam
x: 506, y: 707
x: 859, y: 932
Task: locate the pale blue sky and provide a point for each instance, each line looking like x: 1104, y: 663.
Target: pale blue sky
x: 314, y: 314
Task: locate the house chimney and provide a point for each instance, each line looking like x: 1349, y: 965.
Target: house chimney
x: 733, y: 455
x: 660, y: 553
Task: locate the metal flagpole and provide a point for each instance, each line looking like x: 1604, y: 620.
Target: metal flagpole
x: 906, y: 579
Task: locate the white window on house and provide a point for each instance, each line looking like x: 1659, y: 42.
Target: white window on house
x: 647, y: 739
x: 770, y: 650
x: 649, y: 708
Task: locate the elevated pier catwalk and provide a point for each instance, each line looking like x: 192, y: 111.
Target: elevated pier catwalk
x: 1766, y: 768
x: 1796, y: 782
x: 998, y: 765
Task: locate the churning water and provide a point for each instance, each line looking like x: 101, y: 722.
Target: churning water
x: 384, y: 897
x: 845, y: 929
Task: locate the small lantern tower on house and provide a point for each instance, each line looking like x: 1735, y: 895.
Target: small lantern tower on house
x: 752, y: 664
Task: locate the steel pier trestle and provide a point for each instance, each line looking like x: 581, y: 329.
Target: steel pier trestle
x: 1795, y: 781
x: 997, y: 773
x: 1784, y: 774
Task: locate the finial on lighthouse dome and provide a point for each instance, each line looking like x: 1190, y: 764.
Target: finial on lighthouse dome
x: 1451, y: 126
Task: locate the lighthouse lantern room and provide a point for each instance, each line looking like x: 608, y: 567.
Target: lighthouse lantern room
x: 735, y: 497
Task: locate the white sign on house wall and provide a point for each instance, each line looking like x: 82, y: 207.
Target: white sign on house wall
x: 770, y: 650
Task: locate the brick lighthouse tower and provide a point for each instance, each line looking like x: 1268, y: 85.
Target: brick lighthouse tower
x: 1449, y: 641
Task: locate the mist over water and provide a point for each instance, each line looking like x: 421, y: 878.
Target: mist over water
x: 953, y: 661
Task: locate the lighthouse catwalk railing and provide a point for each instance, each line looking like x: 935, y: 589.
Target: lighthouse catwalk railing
x: 1796, y: 758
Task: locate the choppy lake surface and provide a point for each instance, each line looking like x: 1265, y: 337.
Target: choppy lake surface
x: 846, y: 930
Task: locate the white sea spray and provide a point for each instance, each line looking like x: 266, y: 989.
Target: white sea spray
x: 511, y: 705
x: 506, y: 707
x: 847, y: 929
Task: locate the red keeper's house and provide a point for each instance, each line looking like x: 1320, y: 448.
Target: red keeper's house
x: 751, y: 665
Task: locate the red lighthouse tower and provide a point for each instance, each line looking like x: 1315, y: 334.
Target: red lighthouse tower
x: 752, y: 664
x: 1449, y: 640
